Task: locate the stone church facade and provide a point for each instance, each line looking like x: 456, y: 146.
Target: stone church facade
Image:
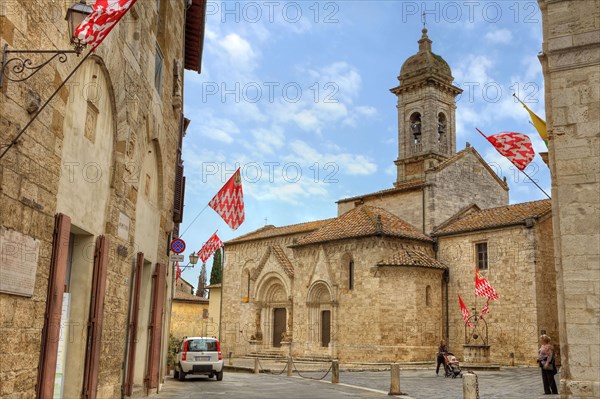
x: 379, y: 282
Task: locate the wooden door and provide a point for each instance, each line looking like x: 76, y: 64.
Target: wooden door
x: 325, y: 328
x: 279, y: 319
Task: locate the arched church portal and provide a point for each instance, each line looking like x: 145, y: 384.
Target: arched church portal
x: 275, y: 311
x: 320, y: 314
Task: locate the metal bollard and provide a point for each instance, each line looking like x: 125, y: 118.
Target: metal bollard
x: 289, y: 366
x: 230, y: 359
x: 470, y: 386
x: 256, y: 366
x: 395, y: 380
x: 335, y: 372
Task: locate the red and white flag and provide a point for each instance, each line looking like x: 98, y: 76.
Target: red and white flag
x: 486, y: 308
x: 484, y: 288
x: 464, y: 311
x: 104, y: 17
x: 209, y: 247
x: 516, y: 147
x: 229, y: 201
x: 178, y: 272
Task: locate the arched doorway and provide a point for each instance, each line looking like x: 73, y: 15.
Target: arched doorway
x: 319, y: 304
x: 275, y: 311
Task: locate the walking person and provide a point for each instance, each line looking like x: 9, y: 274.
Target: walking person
x: 547, y: 365
x: 442, y: 350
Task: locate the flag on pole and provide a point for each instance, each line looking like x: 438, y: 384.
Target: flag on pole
x: 486, y: 308
x: 516, y: 147
x: 538, y: 123
x: 229, y: 201
x: 209, y: 247
x: 105, y: 15
x: 464, y: 311
x: 178, y: 272
x: 484, y: 288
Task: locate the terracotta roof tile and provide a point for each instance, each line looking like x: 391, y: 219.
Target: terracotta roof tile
x: 284, y: 260
x: 496, y: 217
x: 363, y: 221
x: 186, y: 296
x: 412, y: 257
x: 272, y: 231
x: 414, y: 184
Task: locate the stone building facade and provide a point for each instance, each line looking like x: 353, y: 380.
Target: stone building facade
x: 570, y: 62
x: 379, y: 282
x: 89, y: 198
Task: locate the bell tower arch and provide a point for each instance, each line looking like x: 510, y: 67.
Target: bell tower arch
x: 426, y: 113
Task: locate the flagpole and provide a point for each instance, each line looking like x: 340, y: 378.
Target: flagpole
x: 537, y: 185
x: 39, y: 111
x: 190, y: 225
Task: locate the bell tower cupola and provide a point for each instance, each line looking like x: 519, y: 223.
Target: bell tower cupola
x: 426, y: 113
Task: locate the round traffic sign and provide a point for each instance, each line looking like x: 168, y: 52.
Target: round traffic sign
x: 177, y: 245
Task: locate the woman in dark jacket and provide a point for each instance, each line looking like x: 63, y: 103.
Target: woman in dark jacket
x: 442, y: 350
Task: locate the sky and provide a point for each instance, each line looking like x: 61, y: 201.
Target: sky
x: 296, y: 94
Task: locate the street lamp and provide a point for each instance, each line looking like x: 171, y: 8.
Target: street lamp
x: 192, y: 262
x: 24, y: 67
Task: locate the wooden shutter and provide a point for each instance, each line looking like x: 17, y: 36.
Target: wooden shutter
x: 95, y: 321
x: 179, y: 190
x: 158, y: 299
x: 133, y: 326
x: 54, y: 300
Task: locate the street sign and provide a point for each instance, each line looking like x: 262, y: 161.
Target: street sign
x: 177, y: 258
x: 177, y: 245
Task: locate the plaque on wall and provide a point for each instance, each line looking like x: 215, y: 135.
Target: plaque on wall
x: 18, y: 262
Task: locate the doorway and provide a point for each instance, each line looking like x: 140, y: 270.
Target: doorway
x: 279, y: 319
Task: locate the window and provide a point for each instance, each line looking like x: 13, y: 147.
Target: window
x: 481, y: 251
x: 442, y: 124
x: 351, y: 275
x: 428, y: 295
x: 415, y: 127
x: 158, y: 70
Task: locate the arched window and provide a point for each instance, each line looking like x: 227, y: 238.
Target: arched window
x: 428, y: 295
x: 442, y: 126
x: 415, y: 127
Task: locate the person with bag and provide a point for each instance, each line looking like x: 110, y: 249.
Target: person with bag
x: 547, y: 365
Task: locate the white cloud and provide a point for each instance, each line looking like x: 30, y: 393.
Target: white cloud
x: 345, y: 163
x: 499, y: 36
x: 267, y: 140
x: 238, y: 49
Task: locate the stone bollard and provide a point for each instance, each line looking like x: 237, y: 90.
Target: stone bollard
x: 470, y: 386
x: 335, y: 372
x: 289, y: 366
x: 256, y: 366
x: 395, y: 381
x: 230, y: 359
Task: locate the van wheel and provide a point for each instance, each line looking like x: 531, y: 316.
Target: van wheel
x: 220, y: 376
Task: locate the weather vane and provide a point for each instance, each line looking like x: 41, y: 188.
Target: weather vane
x: 424, y: 18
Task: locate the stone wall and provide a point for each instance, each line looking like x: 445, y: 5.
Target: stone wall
x: 515, y: 261
x: 187, y: 320
x: 570, y: 62
x: 464, y: 181
x: 30, y: 173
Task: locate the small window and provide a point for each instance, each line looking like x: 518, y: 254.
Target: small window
x: 351, y: 275
x: 415, y: 127
x: 158, y: 70
x: 428, y: 295
x: 481, y: 250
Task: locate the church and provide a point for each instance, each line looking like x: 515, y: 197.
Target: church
x: 380, y: 281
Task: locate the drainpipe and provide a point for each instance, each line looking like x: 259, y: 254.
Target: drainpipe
x: 127, y: 332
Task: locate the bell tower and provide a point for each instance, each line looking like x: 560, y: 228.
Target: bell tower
x: 426, y: 113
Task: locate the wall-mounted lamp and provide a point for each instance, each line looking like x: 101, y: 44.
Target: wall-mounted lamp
x: 25, y: 68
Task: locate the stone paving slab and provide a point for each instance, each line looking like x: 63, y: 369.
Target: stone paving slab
x: 507, y: 383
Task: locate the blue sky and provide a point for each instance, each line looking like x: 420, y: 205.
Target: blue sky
x: 297, y: 95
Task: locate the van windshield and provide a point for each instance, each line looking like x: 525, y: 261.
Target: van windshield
x: 201, y: 345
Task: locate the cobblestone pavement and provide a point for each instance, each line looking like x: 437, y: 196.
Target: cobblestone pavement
x: 507, y: 383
